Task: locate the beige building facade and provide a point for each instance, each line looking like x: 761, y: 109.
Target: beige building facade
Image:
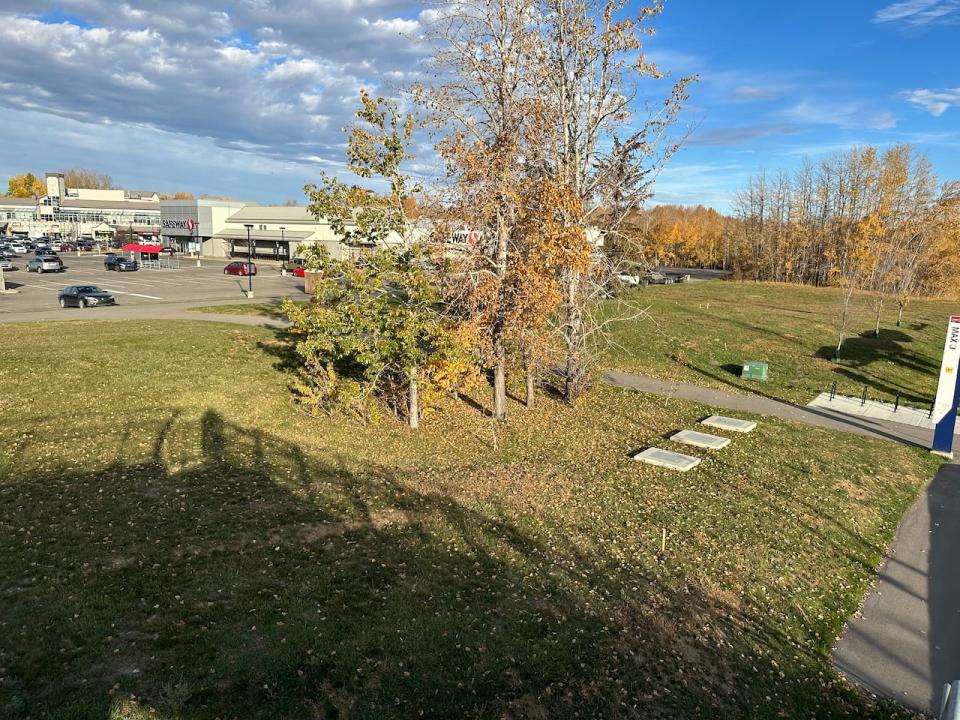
x: 277, y: 233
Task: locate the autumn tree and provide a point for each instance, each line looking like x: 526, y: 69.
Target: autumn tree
x: 376, y: 328
x: 25, y: 186
x: 545, y: 91
x: 89, y: 179
x: 594, y: 73
x: 484, y: 98
x: 377, y: 147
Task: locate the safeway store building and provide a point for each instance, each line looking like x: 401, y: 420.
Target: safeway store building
x: 221, y: 228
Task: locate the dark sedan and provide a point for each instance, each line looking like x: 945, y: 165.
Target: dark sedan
x: 85, y: 296
x: 240, y: 268
x: 119, y: 263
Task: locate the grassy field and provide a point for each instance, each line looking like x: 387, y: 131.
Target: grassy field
x: 205, y: 551
x: 703, y: 332
x: 263, y: 309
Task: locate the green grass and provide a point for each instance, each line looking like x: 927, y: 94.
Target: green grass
x: 703, y: 332
x: 208, y: 552
x: 263, y: 309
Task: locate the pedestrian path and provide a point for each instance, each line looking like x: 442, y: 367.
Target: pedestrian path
x: 905, y: 641
x: 764, y: 405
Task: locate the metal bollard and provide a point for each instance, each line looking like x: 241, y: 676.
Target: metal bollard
x: 896, y: 403
x: 863, y: 396
x: 833, y: 390
x: 950, y: 701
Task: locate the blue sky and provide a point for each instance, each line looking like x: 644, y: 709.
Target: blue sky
x: 247, y: 97
x: 782, y: 80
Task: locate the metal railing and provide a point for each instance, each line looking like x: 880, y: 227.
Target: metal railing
x: 864, y: 396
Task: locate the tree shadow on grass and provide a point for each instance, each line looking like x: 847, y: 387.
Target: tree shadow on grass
x: 862, y: 352
x: 265, y: 582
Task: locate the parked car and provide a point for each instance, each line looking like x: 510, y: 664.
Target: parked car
x: 84, y: 296
x: 6, y: 264
x: 652, y: 277
x: 45, y: 251
x: 240, y: 268
x: 679, y: 277
x: 44, y: 263
x: 628, y: 279
x: 85, y: 246
x: 119, y: 263
x: 67, y: 247
x: 7, y: 253
x: 18, y: 248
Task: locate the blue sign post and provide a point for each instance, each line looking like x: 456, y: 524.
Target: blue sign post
x: 944, y: 414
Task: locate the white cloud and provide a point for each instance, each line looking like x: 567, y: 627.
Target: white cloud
x: 397, y: 26
x: 133, y: 80
x: 278, y: 78
x: 915, y: 13
x: 699, y: 184
x: 935, y: 102
x: 845, y: 114
x: 302, y: 69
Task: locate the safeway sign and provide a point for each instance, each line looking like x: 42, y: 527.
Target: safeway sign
x: 945, y: 406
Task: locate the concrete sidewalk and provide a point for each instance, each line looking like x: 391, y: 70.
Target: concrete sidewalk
x: 762, y: 405
x: 905, y: 642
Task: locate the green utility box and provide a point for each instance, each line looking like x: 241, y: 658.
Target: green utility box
x: 754, y: 370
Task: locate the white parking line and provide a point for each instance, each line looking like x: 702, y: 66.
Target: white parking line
x: 121, y: 292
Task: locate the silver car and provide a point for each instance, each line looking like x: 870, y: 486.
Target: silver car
x: 43, y: 263
x: 5, y: 264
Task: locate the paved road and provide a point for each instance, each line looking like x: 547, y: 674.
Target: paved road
x: 905, y: 642
x: 761, y: 405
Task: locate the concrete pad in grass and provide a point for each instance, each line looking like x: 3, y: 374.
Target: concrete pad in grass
x: 701, y: 440
x: 667, y: 459
x: 729, y: 423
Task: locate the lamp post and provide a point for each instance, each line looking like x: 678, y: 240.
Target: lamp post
x: 196, y: 234
x: 249, y: 262
x: 283, y: 241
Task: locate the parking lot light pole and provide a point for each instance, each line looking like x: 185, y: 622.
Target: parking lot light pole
x: 283, y: 242
x: 249, y: 262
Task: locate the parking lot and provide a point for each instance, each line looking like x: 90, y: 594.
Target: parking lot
x: 144, y: 288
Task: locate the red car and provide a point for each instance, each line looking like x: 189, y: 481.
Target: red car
x: 298, y: 271
x: 240, y: 268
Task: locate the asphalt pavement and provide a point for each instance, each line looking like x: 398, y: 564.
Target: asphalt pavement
x: 905, y: 641
x: 144, y: 290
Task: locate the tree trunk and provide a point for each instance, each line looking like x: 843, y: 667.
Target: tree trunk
x: 529, y: 370
x: 900, y: 304
x: 876, y: 329
x: 575, y: 371
x: 499, y: 329
x: 499, y: 376
x: 413, y: 402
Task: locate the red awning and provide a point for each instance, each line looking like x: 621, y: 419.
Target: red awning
x: 135, y: 247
